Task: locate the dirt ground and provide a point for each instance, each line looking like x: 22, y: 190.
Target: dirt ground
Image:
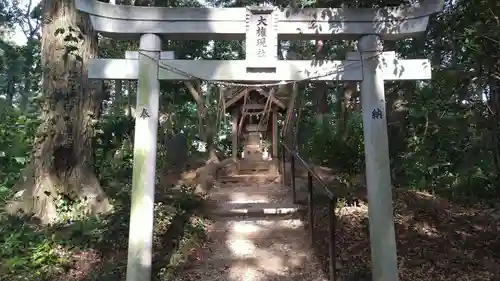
x: 436, y: 239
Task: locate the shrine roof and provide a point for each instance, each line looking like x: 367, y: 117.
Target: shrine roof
x: 239, y: 95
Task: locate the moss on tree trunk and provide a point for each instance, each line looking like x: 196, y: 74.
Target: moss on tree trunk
x: 61, y: 162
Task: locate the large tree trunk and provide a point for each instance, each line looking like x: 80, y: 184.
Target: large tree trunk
x: 347, y: 106
x: 28, y: 69
x: 61, y: 163
x: 207, y: 130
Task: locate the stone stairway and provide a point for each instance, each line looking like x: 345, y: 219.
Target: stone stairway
x: 256, y: 233
x: 251, y: 172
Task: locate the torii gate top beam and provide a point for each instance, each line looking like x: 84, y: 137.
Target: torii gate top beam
x: 391, y: 23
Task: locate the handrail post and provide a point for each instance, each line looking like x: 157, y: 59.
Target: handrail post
x: 331, y: 232
x: 310, y: 206
x: 292, y: 168
x: 283, y: 167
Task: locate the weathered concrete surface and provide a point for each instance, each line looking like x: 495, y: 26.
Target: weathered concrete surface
x: 120, y: 21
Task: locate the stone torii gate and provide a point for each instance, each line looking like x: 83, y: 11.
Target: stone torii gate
x: 261, y: 27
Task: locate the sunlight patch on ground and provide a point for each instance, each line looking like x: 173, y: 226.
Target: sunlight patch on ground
x: 242, y: 198
x: 425, y: 228
x: 425, y: 194
x: 245, y: 273
x: 270, y: 261
x: 241, y: 248
x: 247, y: 227
x: 266, y: 211
x: 284, y: 223
x: 243, y: 227
x: 361, y: 210
x: 273, y: 211
x: 297, y: 260
x: 258, y: 263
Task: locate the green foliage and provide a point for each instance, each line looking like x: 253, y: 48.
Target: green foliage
x: 16, y: 137
x: 443, y: 135
x: 193, y: 235
x: 344, y: 154
x: 442, y: 151
x: 113, y: 141
x: 31, y: 252
x: 28, y: 253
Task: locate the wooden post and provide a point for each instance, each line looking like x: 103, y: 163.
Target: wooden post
x: 140, y: 241
x: 275, y: 133
x: 234, y: 135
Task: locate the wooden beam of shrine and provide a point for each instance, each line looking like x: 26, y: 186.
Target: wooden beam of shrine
x: 257, y: 113
x: 254, y: 106
x: 189, y: 23
x: 236, y: 70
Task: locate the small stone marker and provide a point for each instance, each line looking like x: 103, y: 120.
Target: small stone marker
x: 177, y: 152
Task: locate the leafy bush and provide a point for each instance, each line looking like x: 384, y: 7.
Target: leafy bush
x: 328, y: 146
x: 16, y: 136
x: 27, y: 252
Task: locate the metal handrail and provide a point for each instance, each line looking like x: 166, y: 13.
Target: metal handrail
x: 332, y: 218
x: 329, y: 193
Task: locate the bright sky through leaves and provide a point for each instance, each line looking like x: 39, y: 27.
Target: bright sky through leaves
x: 18, y: 37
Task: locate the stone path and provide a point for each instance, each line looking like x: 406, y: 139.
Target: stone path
x: 256, y: 235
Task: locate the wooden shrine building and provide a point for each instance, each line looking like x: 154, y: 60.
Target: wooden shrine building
x: 254, y: 112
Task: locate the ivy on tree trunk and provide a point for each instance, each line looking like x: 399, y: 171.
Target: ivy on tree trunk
x: 60, y: 168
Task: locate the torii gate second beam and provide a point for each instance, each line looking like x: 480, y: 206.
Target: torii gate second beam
x: 238, y: 70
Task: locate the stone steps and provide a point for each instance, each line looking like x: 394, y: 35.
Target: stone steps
x: 256, y: 209
x: 246, y: 179
x: 255, y: 165
x: 258, y: 200
x: 251, y: 193
x: 257, y: 219
x: 256, y: 227
x: 252, y: 170
x: 267, y: 242
x: 256, y: 234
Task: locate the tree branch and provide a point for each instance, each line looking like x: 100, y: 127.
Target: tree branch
x: 196, y: 95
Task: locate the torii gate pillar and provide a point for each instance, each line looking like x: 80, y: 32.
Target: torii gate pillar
x: 378, y: 181
x: 140, y: 238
